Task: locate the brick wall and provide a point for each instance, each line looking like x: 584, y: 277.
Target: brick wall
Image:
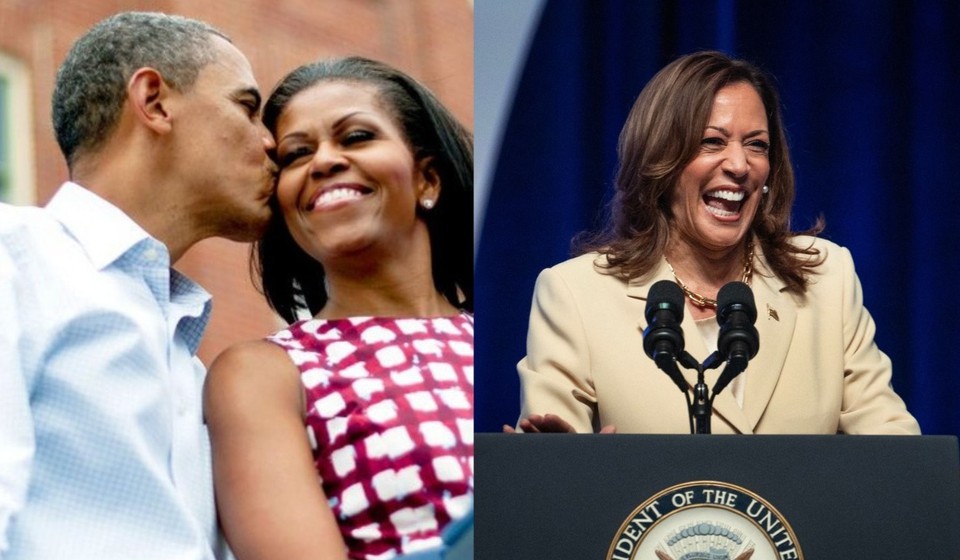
x: 430, y: 39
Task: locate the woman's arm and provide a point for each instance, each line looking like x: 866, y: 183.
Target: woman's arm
x: 554, y: 374
x: 870, y: 405
x: 269, y: 498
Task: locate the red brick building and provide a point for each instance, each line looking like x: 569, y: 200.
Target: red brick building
x: 430, y: 39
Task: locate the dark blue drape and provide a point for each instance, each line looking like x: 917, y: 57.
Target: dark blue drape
x: 871, y: 96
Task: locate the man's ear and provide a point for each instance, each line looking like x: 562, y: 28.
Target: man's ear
x: 429, y: 187
x: 148, y: 96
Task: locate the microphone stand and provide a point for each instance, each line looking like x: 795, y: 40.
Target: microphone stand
x: 700, y: 406
x: 738, y: 340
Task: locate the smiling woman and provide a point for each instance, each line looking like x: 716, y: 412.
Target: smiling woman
x: 718, y: 193
x: 703, y: 198
x: 378, y: 117
x: 349, y: 185
x: 350, y: 433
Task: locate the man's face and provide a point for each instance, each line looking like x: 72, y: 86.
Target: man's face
x: 223, y: 148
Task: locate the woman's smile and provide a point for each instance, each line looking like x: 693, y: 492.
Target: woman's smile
x: 337, y: 196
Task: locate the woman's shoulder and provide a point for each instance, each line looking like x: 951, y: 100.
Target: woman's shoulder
x: 250, y: 366
x: 827, y: 251
x: 588, y: 275
x: 249, y: 375
x: 819, y: 243
x: 588, y: 266
x: 834, y: 263
x: 247, y: 352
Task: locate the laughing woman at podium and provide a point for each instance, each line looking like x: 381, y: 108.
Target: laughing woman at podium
x: 703, y: 197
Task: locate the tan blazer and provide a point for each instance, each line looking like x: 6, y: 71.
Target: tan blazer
x: 818, y: 370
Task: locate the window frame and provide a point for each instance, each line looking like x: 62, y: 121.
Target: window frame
x: 16, y: 126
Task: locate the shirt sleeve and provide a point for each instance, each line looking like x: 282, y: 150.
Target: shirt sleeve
x: 554, y: 375
x: 16, y: 423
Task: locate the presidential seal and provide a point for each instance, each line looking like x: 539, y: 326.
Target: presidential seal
x: 705, y: 520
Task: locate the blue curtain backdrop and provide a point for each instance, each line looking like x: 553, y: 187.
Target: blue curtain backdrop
x: 871, y: 96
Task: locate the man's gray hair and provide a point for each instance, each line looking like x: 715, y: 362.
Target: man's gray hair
x: 91, y: 83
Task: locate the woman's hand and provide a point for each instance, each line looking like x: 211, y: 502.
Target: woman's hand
x: 549, y: 424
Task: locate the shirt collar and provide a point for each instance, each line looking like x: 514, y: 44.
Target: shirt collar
x: 102, y: 229
x: 194, y: 304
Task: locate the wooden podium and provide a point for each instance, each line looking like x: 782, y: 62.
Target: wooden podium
x: 565, y: 497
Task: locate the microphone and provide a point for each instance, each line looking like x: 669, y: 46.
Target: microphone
x: 739, y: 341
x: 663, y: 337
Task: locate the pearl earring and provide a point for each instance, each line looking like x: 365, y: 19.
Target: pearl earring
x: 428, y: 204
x: 766, y: 189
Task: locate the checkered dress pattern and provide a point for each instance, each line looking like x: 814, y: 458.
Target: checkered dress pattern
x: 390, y: 422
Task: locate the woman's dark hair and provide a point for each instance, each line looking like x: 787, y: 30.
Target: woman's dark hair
x: 661, y: 136
x: 289, y: 278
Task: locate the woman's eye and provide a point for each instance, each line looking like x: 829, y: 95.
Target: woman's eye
x: 355, y: 136
x: 289, y: 158
x: 712, y: 142
x: 760, y: 146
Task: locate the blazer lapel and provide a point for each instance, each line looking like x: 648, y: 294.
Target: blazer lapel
x: 776, y: 318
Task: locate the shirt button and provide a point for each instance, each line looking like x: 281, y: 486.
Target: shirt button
x: 150, y: 254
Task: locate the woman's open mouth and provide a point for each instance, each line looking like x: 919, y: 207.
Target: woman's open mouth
x: 724, y: 203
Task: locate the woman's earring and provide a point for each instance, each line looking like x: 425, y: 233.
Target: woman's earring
x: 427, y: 204
x: 766, y: 189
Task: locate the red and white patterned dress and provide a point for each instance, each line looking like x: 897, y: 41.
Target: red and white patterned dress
x: 390, y: 421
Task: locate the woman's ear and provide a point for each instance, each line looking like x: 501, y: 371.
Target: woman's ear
x: 148, y: 95
x: 428, y: 189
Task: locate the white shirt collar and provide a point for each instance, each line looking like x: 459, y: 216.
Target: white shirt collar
x: 104, y: 231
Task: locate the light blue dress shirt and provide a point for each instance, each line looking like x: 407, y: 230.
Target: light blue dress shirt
x: 103, y: 452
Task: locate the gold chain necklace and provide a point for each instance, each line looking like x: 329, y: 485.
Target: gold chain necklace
x: 703, y: 301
